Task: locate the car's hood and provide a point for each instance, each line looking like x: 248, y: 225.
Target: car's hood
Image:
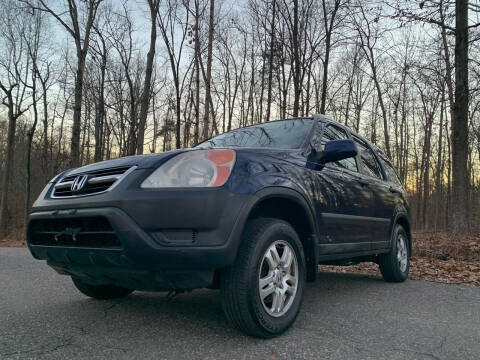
x: 140, y: 161
x: 155, y: 160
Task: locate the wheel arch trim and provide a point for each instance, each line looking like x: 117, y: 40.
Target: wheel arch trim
x: 295, y: 196
x: 403, y: 220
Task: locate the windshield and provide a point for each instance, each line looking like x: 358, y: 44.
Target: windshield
x: 285, y: 134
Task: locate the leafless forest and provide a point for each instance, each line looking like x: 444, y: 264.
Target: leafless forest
x: 88, y: 80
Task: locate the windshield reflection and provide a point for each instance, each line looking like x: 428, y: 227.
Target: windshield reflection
x: 284, y: 134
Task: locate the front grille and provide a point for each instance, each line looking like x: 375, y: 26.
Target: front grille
x: 88, y: 183
x: 79, y: 232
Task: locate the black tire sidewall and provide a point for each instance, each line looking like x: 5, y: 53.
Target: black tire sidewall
x: 279, y: 230
x: 389, y: 265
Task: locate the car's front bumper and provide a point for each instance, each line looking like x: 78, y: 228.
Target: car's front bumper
x: 168, y: 239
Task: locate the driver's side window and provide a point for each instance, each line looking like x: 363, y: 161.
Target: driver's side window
x: 332, y: 132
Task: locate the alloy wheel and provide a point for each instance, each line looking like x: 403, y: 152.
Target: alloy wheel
x: 278, y: 278
x: 402, y: 253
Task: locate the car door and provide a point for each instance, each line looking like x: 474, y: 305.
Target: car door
x: 342, y: 200
x: 382, y: 210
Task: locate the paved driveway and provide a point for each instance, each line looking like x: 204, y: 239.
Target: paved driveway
x: 343, y: 317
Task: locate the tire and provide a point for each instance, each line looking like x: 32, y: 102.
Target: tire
x: 101, y: 292
x: 240, y: 284
x: 395, y: 264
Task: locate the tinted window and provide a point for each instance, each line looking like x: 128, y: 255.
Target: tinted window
x: 330, y: 133
x: 391, y: 173
x: 286, y: 134
x: 367, y: 158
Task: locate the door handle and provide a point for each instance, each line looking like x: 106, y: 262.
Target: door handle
x: 363, y: 183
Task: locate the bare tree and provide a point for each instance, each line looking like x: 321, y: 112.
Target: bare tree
x: 100, y: 50
x: 174, y: 35
x: 120, y: 30
x: 368, y: 36
x: 270, y: 58
x: 14, y: 82
x: 153, y: 6
x: 330, y: 24
x: 70, y: 20
x: 396, y: 80
x: 34, y: 36
x: 460, y: 123
x: 197, y: 71
x: 208, y: 79
x: 232, y: 55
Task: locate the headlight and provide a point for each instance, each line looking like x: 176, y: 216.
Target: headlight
x: 58, y: 176
x: 55, y: 178
x: 197, y: 168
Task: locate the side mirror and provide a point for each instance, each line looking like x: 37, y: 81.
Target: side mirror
x: 336, y: 150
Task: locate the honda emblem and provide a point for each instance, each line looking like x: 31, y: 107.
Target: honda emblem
x: 79, y: 183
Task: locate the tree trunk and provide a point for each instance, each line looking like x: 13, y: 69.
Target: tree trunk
x: 100, y: 111
x: 325, y: 73
x: 383, y: 109
x: 132, y: 145
x: 77, y: 112
x: 439, y: 170
x: 178, y: 113
x: 197, y: 75
x: 4, y: 215
x: 297, y: 88
x: 459, y: 223
x: 209, y: 71
x: 449, y: 174
x: 47, y: 164
x: 270, y: 61
x: 426, y: 172
x: 28, y: 151
x: 448, y: 65
x: 145, y: 98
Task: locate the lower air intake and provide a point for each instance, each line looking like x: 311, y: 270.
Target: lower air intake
x: 77, y: 232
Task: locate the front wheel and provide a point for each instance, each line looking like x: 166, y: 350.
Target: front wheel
x: 262, y: 292
x: 102, y: 292
x: 395, y: 265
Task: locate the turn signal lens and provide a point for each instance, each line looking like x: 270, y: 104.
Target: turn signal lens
x: 197, y: 168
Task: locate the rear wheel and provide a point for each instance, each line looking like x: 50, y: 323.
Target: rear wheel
x: 263, y: 290
x: 102, y: 292
x: 395, y: 265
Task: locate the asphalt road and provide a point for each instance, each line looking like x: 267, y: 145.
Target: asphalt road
x: 343, y: 317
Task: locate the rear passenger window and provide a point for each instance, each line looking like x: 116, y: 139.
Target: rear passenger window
x: 391, y: 173
x: 367, y: 158
x: 330, y: 133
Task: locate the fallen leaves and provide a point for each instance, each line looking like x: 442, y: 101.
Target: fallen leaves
x: 14, y: 239
x: 437, y: 257
x: 446, y: 271
x: 441, y: 245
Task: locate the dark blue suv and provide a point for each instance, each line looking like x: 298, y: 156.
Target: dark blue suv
x: 252, y: 212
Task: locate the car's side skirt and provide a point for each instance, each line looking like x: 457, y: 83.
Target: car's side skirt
x: 349, y: 254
